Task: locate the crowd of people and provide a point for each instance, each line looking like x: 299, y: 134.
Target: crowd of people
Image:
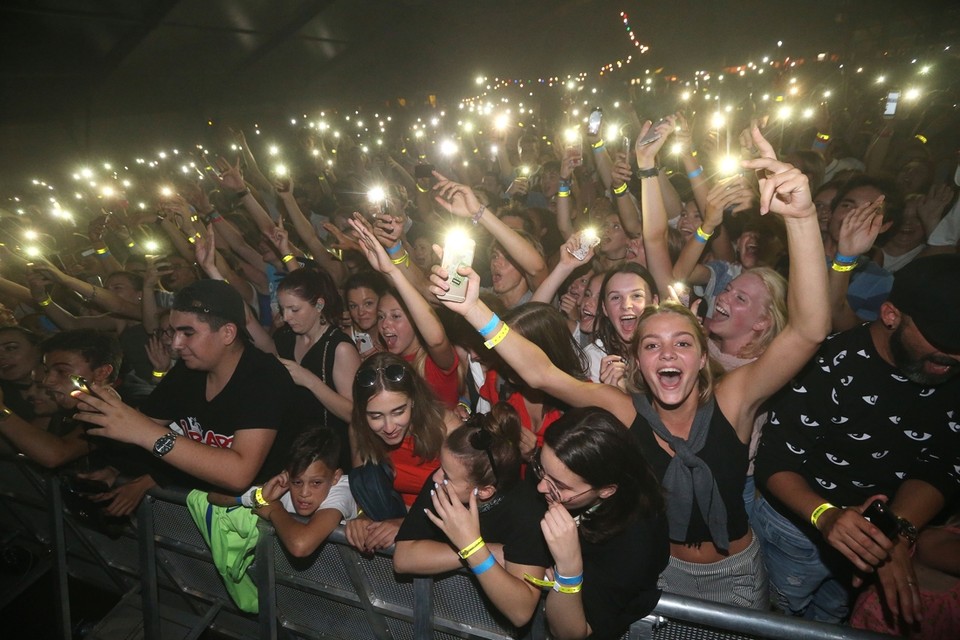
x: 597, y: 369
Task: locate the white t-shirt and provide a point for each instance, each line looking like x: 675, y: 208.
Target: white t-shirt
x: 947, y: 232
x: 339, y: 498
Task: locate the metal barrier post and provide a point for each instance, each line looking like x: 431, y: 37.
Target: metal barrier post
x: 60, y: 552
x: 423, y: 608
x: 149, y: 590
x: 266, y: 578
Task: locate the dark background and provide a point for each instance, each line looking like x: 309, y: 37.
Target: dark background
x: 83, y: 79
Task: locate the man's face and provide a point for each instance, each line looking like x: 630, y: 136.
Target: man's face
x: 181, y: 274
x: 199, y: 346
x: 853, y: 199
x: 919, y: 360
x: 60, y: 365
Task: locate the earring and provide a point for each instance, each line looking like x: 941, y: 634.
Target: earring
x: 319, y: 306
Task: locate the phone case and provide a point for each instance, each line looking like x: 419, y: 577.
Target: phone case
x: 652, y: 134
x: 587, y: 241
x: 880, y: 516
x: 456, y: 254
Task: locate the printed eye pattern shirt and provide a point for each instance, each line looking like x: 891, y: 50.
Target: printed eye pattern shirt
x: 853, y: 426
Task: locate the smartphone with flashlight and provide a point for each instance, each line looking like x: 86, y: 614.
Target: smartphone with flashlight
x: 595, y: 121
x: 652, y: 134
x: 890, y: 107
x: 423, y: 171
x: 587, y: 239
x: 458, y: 250
x: 882, y: 518
x: 79, y: 383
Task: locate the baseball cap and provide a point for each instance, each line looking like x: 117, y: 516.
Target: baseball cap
x: 212, y: 297
x: 928, y: 290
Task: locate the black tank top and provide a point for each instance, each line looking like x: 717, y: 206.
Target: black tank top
x: 727, y: 458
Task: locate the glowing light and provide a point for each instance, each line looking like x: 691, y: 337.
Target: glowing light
x: 501, y: 122
x: 418, y: 133
x: 881, y: 79
x: 151, y: 245
x: 571, y: 136
x: 807, y: 113
x: 280, y: 170
x: 794, y: 91
x: 827, y: 93
x: 677, y: 148
x: 685, y: 96
x: 448, y: 147
x: 166, y: 192
x: 729, y: 165
x: 86, y: 173
x: 30, y: 234
x: 376, y: 194
x: 480, y: 80
x: 273, y: 150
x: 717, y: 120
x: 107, y: 192
x: 468, y: 127
x: 32, y: 252
x: 911, y: 94
x: 785, y: 112
x: 925, y: 69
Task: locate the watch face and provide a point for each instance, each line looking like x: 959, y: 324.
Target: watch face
x: 164, y: 445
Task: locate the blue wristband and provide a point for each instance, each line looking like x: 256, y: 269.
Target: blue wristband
x: 842, y: 259
x: 395, y: 249
x: 565, y: 581
x: 695, y: 173
x: 240, y: 500
x: 490, y: 326
x: 484, y: 566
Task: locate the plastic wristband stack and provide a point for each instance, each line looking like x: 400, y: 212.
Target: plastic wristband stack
x: 287, y: 258
x: 843, y: 264
x: 490, y: 326
x: 484, y: 566
x: 701, y: 235
x: 258, y: 498
x: 471, y: 548
x: 819, y: 511
x: 46, y: 303
x: 620, y: 191
x: 395, y: 249
x: 561, y: 584
x: 103, y: 253
x: 563, y: 193
x: 695, y: 173
x: 497, y: 339
x: 404, y: 259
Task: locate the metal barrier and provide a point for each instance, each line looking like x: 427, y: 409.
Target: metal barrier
x: 170, y: 588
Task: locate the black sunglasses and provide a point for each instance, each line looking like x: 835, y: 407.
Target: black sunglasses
x: 482, y: 440
x: 392, y: 372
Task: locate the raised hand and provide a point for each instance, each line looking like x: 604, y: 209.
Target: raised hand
x: 461, y: 524
x: 860, y: 228
x: 230, y: 178
x: 560, y: 532
x: 456, y: 198
x: 783, y: 189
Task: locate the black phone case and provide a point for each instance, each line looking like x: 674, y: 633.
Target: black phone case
x: 881, y: 517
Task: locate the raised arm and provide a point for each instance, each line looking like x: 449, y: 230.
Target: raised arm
x: 858, y: 233
x: 785, y: 191
x: 529, y: 360
x: 104, y: 298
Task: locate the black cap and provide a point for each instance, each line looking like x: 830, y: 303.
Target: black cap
x: 928, y: 290
x: 212, y: 297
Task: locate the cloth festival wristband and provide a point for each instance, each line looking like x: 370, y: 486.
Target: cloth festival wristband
x: 490, y: 326
x: 484, y: 566
x: 395, y: 249
x: 819, y: 511
x: 497, y: 339
x: 701, y: 235
x: 471, y: 548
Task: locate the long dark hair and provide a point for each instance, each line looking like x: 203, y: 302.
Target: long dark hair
x: 503, y: 425
x: 311, y: 285
x: 427, y: 414
x: 596, y: 446
x: 603, y: 327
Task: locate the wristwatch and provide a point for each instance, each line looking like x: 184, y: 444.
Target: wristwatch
x: 907, y: 530
x: 164, y: 444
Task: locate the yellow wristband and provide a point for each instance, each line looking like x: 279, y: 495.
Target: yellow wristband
x: 843, y: 268
x: 702, y: 235
x: 404, y: 259
x: 46, y: 303
x: 819, y: 511
x: 258, y: 498
x: 597, y: 144
x: 101, y: 251
x: 620, y: 189
x: 287, y: 258
x: 497, y: 339
x: 159, y: 374
x: 471, y: 548
x: 422, y: 190
x: 559, y: 588
x: 563, y: 194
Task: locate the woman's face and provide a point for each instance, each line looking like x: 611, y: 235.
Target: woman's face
x: 388, y: 415
x: 560, y: 484
x: 39, y: 396
x: 743, y: 308
x: 748, y: 249
x: 624, y: 300
x: 299, y: 314
x: 613, y: 239
x: 690, y: 219
x: 122, y: 287
x: 311, y: 488
x: 670, y: 358
x: 454, y: 473
x: 422, y: 253
x: 911, y: 233
x: 822, y: 203
x: 362, y: 305
x: 17, y: 357
x: 579, y: 285
x: 588, y: 304
x: 395, y: 328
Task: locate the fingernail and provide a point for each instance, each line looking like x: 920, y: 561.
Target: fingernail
x: 435, y: 485
x: 444, y: 482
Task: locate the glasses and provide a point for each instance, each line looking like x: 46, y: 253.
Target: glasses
x: 392, y: 373
x: 482, y: 440
x: 553, y: 491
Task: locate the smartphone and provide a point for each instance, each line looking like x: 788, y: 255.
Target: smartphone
x: 882, y: 518
x: 457, y: 251
x: 422, y: 171
x: 652, y: 135
x: 80, y: 383
x: 626, y: 145
x: 890, y: 108
x: 595, y: 121
x: 587, y: 239
x: 75, y: 484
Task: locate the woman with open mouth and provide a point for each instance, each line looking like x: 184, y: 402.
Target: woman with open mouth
x: 692, y: 427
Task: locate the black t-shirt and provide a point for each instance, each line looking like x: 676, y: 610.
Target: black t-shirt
x: 514, y: 522
x: 257, y: 396
x: 620, y: 576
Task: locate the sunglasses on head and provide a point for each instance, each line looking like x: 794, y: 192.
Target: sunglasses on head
x: 392, y: 373
x: 482, y: 440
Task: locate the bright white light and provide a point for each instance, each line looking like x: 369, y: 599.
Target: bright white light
x: 30, y: 234
x: 273, y: 150
x: 501, y: 122
x: 912, y: 94
x: 729, y: 165
x: 881, y: 79
x: 807, y: 113
x: 280, y: 170
x: 86, y: 173
x: 785, y: 112
x: 571, y: 136
x: 448, y: 147
x: 685, y: 96
x: 151, y: 245
x: 376, y: 194
x: 468, y: 126
x: 717, y: 120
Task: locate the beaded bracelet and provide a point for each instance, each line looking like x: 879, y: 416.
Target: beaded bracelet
x: 497, y: 339
x: 701, y: 235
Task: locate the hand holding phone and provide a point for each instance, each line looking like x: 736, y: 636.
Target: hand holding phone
x: 457, y: 252
x: 79, y: 383
x: 652, y: 134
x: 890, y: 107
x: 595, y: 121
x: 587, y: 239
x: 880, y: 516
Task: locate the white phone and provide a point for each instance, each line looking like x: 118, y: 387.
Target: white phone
x: 458, y: 250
